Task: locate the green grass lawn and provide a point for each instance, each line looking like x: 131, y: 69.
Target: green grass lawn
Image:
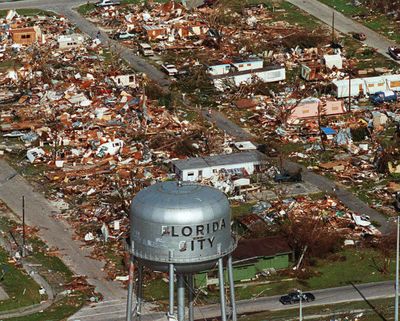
x: 348, y: 266
x: 52, y: 269
x: 58, y: 311
x: 241, y: 209
x: 295, y: 16
x: 21, y: 289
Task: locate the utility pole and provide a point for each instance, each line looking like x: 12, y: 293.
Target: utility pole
x: 350, y: 71
x: 23, y: 226
x: 333, y: 26
x: 301, y: 306
x: 396, y: 305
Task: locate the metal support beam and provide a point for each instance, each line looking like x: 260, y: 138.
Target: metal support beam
x: 130, y: 290
x: 222, y: 288
x: 181, y: 297
x: 191, y: 297
x: 171, y: 290
x: 139, y: 291
x: 232, y: 289
x: 396, y: 304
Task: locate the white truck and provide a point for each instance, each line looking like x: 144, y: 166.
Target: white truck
x: 145, y: 49
x: 106, y: 3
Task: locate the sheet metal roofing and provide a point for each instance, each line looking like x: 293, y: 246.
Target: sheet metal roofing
x: 220, y: 160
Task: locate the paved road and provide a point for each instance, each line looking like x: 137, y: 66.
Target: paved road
x: 56, y: 233
x: 329, y: 296
x: 344, y: 24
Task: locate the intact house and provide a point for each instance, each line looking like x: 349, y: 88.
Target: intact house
x: 235, y: 73
x: 70, y: 41
x: 311, y: 107
x: 198, y: 168
x: 125, y: 80
x: 251, y: 258
x: 27, y: 36
x: 366, y: 86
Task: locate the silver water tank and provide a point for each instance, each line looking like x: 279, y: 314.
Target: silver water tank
x: 188, y: 225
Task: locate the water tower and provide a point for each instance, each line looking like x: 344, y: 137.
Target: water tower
x: 181, y: 229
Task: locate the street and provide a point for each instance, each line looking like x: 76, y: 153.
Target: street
x: 330, y: 296
x: 344, y: 24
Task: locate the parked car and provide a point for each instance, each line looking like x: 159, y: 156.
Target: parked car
x: 106, y: 3
x: 295, y: 297
x: 287, y: 177
x: 359, y: 36
x: 170, y: 69
x: 123, y: 35
x: 383, y: 97
x: 394, y: 52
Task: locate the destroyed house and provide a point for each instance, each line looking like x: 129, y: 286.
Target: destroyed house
x: 240, y: 72
x: 186, y: 29
x: 315, y: 69
x: 253, y: 257
x: 156, y: 32
x: 198, y: 168
x: 70, y: 41
x: 125, y: 80
x: 364, y: 86
x: 26, y: 36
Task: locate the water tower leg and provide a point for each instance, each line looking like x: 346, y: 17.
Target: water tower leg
x: 222, y: 288
x: 130, y: 291
x: 191, y: 292
x: 232, y: 289
x: 181, y: 297
x: 171, y: 290
x: 139, y: 291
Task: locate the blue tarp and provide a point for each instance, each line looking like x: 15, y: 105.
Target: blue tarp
x: 328, y: 131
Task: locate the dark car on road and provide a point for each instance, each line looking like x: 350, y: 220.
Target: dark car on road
x: 394, y: 52
x: 359, y: 36
x: 287, y: 177
x: 294, y: 297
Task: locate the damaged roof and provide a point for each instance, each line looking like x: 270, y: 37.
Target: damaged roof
x: 220, y: 160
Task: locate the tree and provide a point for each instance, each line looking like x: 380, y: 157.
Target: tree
x: 311, y: 236
x: 386, y: 247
